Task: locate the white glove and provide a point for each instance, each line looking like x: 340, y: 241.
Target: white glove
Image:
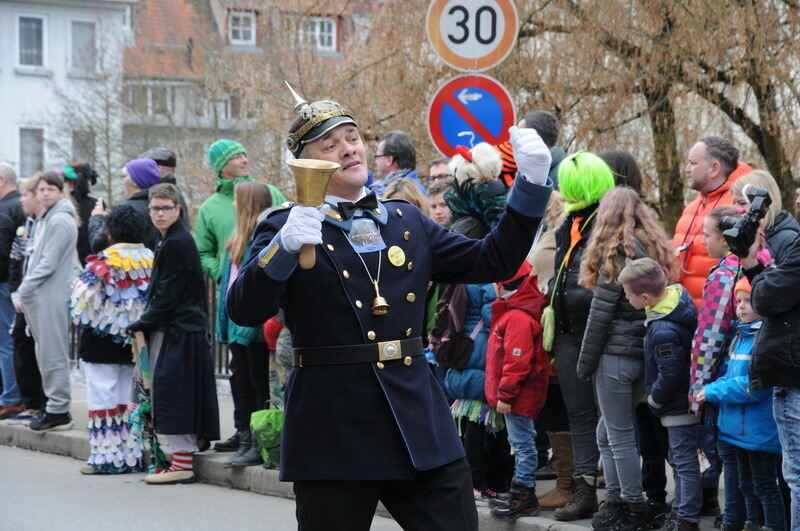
x: 531, y: 154
x: 304, y: 225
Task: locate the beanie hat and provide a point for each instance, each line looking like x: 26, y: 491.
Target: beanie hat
x: 742, y: 285
x: 144, y: 172
x: 514, y: 282
x: 162, y: 156
x: 482, y: 163
x: 583, y: 178
x: 222, y: 151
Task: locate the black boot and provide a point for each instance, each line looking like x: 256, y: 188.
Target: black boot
x: 231, y: 445
x: 710, y: 505
x: 584, y: 501
x: 245, y: 441
x: 608, y: 514
x: 521, y: 502
x: 636, y: 517
x: 248, y: 453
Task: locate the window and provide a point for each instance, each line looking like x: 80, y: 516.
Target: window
x: 318, y: 32
x: 31, y: 40
x: 159, y: 100
x: 149, y: 100
x: 243, y: 28
x: 84, y: 48
x: 83, y: 146
x: 31, y: 151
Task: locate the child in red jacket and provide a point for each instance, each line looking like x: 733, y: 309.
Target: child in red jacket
x: 516, y: 383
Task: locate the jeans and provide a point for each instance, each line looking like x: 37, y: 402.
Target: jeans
x: 581, y: 408
x: 682, y: 457
x: 521, y: 435
x: 786, y: 408
x: 10, y: 395
x: 735, y: 510
x: 653, y: 446
x: 758, y: 481
x: 619, y: 385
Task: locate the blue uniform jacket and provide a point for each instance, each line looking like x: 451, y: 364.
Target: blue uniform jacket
x: 745, y: 416
x: 358, y: 421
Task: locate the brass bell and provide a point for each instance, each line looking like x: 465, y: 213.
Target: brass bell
x: 379, y: 305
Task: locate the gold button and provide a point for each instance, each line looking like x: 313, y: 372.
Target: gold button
x: 410, y: 266
x: 399, y: 212
x: 345, y: 274
x: 406, y: 235
x: 408, y: 332
x: 380, y: 365
x: 359, y: 305
x: 371, y: 335
x: 407, y: 361
x: 377, y: 211
x: 330, y: 247
x: 411, y: 297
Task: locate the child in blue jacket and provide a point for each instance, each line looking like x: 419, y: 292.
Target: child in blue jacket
x: 746, y: 422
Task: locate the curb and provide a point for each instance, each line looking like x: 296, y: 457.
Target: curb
x: 208, y: 468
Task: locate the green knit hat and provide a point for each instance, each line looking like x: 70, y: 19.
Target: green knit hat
x: 222, y: 151
x: 583, y: 178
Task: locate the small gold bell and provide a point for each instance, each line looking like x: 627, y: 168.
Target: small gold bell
x: 379, y: 305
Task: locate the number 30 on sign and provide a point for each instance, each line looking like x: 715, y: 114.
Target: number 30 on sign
x: 472, y: 35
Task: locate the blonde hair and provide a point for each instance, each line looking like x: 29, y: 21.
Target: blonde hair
x: 29, y: 185
x: 485, y: 165
x: 407, y: 189
x: 766, y: 181
x: 622, y: 219
x: 251, y: 198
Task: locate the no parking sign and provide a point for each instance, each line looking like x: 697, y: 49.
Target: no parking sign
x: 468, y: 110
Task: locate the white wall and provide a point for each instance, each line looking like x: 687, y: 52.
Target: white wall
x: 28, y: 96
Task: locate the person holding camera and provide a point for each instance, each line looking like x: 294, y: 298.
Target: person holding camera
x: 776, y: 362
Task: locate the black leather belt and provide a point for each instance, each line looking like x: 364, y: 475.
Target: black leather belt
x: 366, y: 353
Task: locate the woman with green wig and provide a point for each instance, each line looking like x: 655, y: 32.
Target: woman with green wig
x: 583, y: 179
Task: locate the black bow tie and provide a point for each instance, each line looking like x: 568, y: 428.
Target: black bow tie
x: 368, y: 202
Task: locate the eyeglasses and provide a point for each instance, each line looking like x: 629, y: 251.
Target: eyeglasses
x: 442, y: 176
x: 164, y: 209
x: 379, y: 156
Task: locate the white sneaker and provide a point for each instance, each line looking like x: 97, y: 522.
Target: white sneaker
x: 25, y: 417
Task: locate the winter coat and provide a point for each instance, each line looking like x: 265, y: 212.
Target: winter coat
x: 216, y: 221
x: 379, y: 187
x: 693, y: 260
x: 20, y: 250
x: 469, y: 382
x: 11, y: 217
x: 614, y: 327
x: 775, y: 297
x: 745, y: 416
x: 140, y: 202
x: 53, y: 262
x: 571, y: 301
x: 714, y: 321
x: 84, y: 206
x: 228, y: 331
x: 542, y: 257
x: 516, y: 363
x: 781, y: 234
x: 177, y: 298
x: 670, y: 325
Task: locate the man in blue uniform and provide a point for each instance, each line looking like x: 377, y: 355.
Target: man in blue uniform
x: 365, y: 419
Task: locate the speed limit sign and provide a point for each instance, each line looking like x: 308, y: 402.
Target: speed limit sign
x: 472, y: 35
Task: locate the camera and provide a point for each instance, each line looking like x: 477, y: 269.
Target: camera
x: 740, y: 233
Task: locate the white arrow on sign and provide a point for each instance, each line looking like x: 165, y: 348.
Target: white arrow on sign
x: 465, y: 96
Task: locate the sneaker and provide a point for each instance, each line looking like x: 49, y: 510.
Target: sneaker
x: 52, y: 422
x: 25, y: 417
x: 609, y: 513
x: 170, y: 477
x: 521, y: 501
x: 6, y: 412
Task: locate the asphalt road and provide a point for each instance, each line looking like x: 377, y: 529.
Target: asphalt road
x: 43, y: 492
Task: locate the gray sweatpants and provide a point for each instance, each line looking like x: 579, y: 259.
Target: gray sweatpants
x: 619, y: 384
x: 49, y: 325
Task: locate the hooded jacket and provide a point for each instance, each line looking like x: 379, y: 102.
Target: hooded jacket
x: 693, y: 260
x: 216, y: 221
x: 781, y: 234
x: 11, y: 217
x: 670, y: 326
x: 516, y: 363
x: 53, y: 262
x: 745, y: 416
x: 614, y: 327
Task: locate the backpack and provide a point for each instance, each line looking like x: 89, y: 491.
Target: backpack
x: 447, y: 339
x: 266, y: 426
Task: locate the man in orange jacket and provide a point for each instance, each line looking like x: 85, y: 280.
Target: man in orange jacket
x: 712, y: 167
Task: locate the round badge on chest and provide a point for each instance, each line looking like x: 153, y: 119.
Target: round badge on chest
x: 397, y: 257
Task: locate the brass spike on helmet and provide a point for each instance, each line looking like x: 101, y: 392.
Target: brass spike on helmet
x: 299, y: 101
